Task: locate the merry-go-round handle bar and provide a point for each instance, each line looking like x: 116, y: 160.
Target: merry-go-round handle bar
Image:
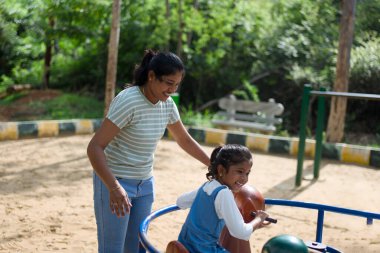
x: 271, y: 220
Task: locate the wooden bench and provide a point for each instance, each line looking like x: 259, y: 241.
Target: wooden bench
x: 256, y: 116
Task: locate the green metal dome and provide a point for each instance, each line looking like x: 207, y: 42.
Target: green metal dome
x: 284, y: 244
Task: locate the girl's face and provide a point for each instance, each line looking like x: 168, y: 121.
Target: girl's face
x: 237, y: 175
x: 160, y: 88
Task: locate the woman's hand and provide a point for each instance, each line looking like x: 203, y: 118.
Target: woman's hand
x: 119, y: 201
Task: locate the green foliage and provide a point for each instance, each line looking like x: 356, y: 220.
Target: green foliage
x: 86, y: 70
x: 367, y: 18
x: 77, y: 25
x: 365, y: 65
x: 31, y: 75
x: 8, y: 37
x: 68, y: 106
x: 271, y: 47
x: 303, y: 43
x: 210, y: 26
x: 250, y: 92
x: 11, y: 98
x: 365, y: 78
x: 222, y: 49
x: 5, y: 81
x: 190, y: 117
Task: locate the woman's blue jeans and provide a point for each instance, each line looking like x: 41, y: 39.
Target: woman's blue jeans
x: 120, y: 235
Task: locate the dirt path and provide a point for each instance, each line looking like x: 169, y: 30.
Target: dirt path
x: 46, y: 197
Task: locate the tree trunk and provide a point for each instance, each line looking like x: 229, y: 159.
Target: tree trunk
x: 167, y: 16
x: 180, y: 30
x: 112, y: 56
x: 336, y: 121
x: 48, y: 56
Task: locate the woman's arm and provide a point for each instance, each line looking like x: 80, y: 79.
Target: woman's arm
x: 187, y: 143
x: 95, y: 153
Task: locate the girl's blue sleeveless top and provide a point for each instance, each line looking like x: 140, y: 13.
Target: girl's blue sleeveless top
x: 202, y: 228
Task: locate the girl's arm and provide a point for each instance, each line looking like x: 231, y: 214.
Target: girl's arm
x: 227, y: 209
x: 260, y: 217
x: 187, y: 143
x: 186, y: 200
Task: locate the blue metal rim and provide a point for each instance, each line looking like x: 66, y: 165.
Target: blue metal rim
x: 145, y: 225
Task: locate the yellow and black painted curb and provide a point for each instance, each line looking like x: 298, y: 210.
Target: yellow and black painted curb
x: 355, y: 154
x: 361, y: 155
x: 47, y: 128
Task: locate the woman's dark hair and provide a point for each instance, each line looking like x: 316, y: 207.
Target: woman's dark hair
x: 226, y: 156
x: 161, y: 63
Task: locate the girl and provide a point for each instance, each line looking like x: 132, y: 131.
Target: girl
x: 213, y: 204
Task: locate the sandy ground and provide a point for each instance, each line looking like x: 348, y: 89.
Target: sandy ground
x: 46, y: 197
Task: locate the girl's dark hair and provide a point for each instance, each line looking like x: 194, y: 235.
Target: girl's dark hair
x: 161, y: 63
x: 226, y: 156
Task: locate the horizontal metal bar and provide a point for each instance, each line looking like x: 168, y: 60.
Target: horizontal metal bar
x: 346, y: 94
x: 334, y: 209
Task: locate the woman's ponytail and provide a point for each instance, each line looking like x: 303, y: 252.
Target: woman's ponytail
x: 140, y: 75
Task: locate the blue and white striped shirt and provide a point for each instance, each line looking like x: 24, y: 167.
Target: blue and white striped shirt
x: 142, y: 124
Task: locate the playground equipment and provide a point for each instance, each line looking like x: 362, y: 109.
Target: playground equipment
x: 307, y: 92
x: 284, y: 244
x: 370, y: 216
x: 248, y: 200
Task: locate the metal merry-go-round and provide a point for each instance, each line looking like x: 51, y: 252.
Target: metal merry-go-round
x: 320, y: 208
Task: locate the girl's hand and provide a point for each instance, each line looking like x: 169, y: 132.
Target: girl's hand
x: 259, y: 220
x: 262, y: 215
x: 119, y: 201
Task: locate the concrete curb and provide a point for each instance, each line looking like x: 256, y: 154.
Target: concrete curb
x: 47, y: 128
x: 361, y: 155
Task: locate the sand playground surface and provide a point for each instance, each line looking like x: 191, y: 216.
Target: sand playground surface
x: 46, y: 202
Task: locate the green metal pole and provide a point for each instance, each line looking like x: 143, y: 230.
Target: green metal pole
x: 319, y: 133
x: 302, y: 134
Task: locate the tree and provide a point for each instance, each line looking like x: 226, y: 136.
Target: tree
x: 48, y: 56
x: 181, y: 25
x: 44, y: 30
x: 167, y: 16
x: 112, y: 55
x: 336, y: 121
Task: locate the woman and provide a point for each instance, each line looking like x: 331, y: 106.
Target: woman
x: 122, y: 150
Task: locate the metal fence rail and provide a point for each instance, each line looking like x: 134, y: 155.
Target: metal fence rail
x: 321, y: 111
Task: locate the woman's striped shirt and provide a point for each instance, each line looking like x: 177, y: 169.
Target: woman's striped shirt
x: 142, y: 124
